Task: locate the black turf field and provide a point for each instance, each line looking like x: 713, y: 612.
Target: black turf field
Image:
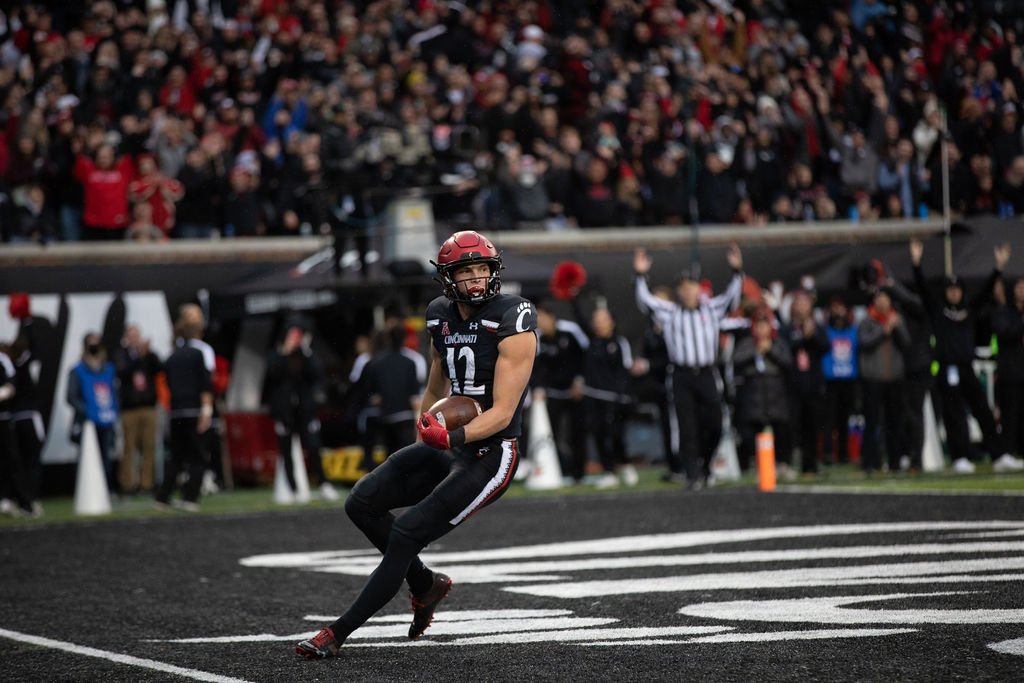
x: 934, y: 591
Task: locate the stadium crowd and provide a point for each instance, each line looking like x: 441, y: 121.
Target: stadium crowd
x: 188, y: 118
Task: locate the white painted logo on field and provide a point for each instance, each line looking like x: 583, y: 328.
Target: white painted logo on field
x: 918, y: 566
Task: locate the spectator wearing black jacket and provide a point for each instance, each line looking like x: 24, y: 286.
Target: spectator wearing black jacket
x: 198, y: 208
x: 808, y: 342
x: 29, y: 432
x: 882, y: 337
x: 14, y: 498
x: 1008, y: 326
x: 716, y: 191
x: 294, y: 378
x: 917, y: 361
x: 606, y: 364
x: 650, y: 372
x: 137, y: 368
x: 558, y: 370
x: 761, y: 365
x: 953, y: 324
x: 189, y: 383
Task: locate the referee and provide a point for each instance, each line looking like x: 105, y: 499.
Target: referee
x: 690, y: 329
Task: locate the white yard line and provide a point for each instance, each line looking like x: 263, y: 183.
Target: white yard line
x: 118, y: 658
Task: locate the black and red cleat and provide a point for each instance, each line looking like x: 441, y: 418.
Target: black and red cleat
x: 423, y: 606
x: 322, y: 645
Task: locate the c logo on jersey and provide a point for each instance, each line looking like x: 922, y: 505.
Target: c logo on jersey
x: 524, y: 308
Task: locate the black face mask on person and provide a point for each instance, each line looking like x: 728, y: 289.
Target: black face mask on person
x: 93, y: 349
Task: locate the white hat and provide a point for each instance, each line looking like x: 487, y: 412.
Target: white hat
x: 533, y: 32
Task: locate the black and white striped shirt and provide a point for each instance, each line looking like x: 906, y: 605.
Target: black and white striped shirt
x: 691, y: 336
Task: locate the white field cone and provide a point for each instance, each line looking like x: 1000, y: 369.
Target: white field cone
x: 545, y: 472
x: 282, y: 491
x: 725, y: 464
x: 931, y: 453
x: 302, y: 495
x: 91, y: 494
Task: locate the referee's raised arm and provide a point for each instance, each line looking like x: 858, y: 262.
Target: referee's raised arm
x: 645, y: 300
x: 727, y: 301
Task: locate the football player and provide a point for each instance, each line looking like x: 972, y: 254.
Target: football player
x: 483, y: 346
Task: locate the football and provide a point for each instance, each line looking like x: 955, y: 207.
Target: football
x: 455, y: 411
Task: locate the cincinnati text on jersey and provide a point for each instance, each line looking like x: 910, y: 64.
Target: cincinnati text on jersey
x: 456, y: 339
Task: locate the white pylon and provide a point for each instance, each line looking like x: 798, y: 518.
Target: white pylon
x: 931, y: 452
x: 545, y: 471
x: 725, y: 464
x: 92, y: 497
x: 283, y: 494
x: 302, y: 495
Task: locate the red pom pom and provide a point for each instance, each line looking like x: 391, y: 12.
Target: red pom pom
x: 18, y: 305
x: 567, y: 280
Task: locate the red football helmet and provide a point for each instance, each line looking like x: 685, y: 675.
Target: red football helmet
x: 462, y: 248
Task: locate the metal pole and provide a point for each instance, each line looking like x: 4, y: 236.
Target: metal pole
x: 946, y: 222
x: 694, y: 210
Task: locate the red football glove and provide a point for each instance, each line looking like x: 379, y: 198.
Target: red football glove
x: 434, y: 434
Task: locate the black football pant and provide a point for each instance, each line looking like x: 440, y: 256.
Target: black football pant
x: 13, y: 484
x: 840, y: 404
x: 698, y: 418
x: 440, y: 490
x: 569, y: 427
x: 309, y: 436
x: 967, y: 394
x: 188, y: 453
x: 1010, y: 397
x: 883, y: 424
x: 606, y: 421
x: 917, y: 385
x: 29, y: 436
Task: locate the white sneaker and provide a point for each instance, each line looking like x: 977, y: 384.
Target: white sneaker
x: 189, y: 506
x: 608, y: 481
x: 785, y: 472
x: 1007, y: 463
x: 209, y: 485
x: 7, y: 507
x: 629, y: 475
x: 963, y: 466
x: 328, y: 492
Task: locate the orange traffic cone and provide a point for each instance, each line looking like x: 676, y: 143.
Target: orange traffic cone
x: 766, y: 460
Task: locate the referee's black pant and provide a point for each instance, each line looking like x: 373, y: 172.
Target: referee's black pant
x: 698, y: 408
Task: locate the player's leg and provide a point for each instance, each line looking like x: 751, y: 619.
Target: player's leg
x: 404, y: 479
x: 474, y: 481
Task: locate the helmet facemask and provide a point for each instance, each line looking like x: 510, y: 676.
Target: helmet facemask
x: 492, y: 285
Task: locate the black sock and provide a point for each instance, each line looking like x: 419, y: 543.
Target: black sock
x: 420, y: 579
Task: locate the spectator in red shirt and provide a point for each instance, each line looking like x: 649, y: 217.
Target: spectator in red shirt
x: 177, y: 95
x: 105, y: 186
x: 160, y: 192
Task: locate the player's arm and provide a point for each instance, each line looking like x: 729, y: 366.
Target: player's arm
x: 511, y: 375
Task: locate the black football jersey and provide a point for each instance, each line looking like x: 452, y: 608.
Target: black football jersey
x: 469, y: 348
